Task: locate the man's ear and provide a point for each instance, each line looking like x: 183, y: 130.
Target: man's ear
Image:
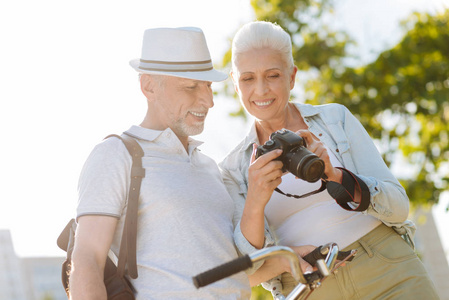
x: 146, y: 85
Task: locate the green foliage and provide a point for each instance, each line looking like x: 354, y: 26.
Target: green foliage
x: 401, y: 98
x: 259, y: 293
x: 48, y: 296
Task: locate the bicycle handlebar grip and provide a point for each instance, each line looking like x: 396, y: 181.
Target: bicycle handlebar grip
x: 313, y: 256
x: 222, y: 271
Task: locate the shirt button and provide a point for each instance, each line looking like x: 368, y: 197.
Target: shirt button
x: 320, y: 134
x: 337, y: 150
x: 168, y: 134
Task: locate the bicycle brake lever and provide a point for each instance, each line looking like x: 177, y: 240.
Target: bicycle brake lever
x: 316, y: 254
x: 345, y: 254
x: 313, y: 256
x: 348, y: 257
x: 312, y: 277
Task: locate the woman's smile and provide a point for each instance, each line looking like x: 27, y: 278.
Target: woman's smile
x: 263, y: 103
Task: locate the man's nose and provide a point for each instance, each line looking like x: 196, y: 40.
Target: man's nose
x: 207, y: 97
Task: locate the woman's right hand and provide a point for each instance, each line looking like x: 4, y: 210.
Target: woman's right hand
x: 264, y: 175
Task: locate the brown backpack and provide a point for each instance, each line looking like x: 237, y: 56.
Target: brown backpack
x: 117, y: 284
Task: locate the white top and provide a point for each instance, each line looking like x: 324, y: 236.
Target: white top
x: 184, y: 217
x: 314, y: 220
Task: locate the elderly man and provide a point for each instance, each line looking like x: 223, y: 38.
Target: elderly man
x: 185, y: 213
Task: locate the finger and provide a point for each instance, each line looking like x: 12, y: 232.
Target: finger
x: 306, y: 135
x: 274, y: 183
x: 320, y: 151
x: 267, y: 173
x: 269, y: 156
x: 305, y: 266
x: 276, y: 173
x: 303, y: 250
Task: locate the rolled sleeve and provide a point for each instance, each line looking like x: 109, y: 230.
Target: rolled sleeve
x: 389, y: 202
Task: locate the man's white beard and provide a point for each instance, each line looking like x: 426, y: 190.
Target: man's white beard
x: 182, y: 129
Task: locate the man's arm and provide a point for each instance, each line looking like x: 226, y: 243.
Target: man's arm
x: 93, y: 239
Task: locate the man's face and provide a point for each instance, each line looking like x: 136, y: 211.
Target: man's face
x: 183, y: 104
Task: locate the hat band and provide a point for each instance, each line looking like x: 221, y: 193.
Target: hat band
x: 179, y: 66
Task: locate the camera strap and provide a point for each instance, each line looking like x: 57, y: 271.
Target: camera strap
x: 343, y: 192
x: 322, y: 188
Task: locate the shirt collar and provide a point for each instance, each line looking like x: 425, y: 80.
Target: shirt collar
x: 150, y: 135
x: 307, y: 110
x: 250, y: 139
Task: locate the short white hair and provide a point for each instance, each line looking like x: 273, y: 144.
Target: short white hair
x: 260, y: 35
x: 159, y: 79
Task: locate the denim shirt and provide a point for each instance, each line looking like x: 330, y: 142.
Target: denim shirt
x: 345, y: 136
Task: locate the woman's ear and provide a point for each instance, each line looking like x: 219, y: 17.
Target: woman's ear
x: 293, y: 77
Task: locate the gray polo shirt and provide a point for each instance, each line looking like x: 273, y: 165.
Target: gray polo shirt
x: 184, y: 218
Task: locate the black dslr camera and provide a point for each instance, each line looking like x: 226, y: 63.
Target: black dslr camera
x: 296, y: 158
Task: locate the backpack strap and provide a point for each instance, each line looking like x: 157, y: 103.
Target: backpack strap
x: 127, y: 254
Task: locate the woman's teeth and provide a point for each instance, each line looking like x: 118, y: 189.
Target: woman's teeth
x: 264, y: 103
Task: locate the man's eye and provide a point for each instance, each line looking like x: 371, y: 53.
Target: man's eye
x: 274, y: 76
x: 247, y: 79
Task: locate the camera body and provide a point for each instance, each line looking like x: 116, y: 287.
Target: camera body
x: 297, y: 159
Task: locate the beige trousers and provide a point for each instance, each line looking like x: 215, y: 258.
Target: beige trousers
x: 385, y: 267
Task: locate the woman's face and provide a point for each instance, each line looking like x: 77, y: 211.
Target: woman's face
x: 263, y: 81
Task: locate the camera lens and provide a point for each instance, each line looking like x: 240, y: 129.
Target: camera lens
x: 312, y: 168
x: 305, y: 165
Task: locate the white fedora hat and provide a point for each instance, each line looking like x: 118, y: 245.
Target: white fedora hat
x: 180, y: 52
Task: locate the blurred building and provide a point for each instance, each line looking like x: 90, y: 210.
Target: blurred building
x: 12, y: 286
x: 431, y: 251
x: 43, y: 275
x: 31, y: 278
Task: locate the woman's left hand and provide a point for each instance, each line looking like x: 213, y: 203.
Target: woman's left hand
x: 316, y: 146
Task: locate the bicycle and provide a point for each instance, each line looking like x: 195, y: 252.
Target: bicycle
x: 324, y: 258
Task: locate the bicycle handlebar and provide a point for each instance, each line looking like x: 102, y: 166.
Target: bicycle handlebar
x: 323, y: 257
x: 245, y: 262
x: 223, y: 271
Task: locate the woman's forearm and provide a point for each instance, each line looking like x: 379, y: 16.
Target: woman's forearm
x: 252, y: 225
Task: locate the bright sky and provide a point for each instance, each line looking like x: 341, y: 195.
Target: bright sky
x: 66, y: 84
